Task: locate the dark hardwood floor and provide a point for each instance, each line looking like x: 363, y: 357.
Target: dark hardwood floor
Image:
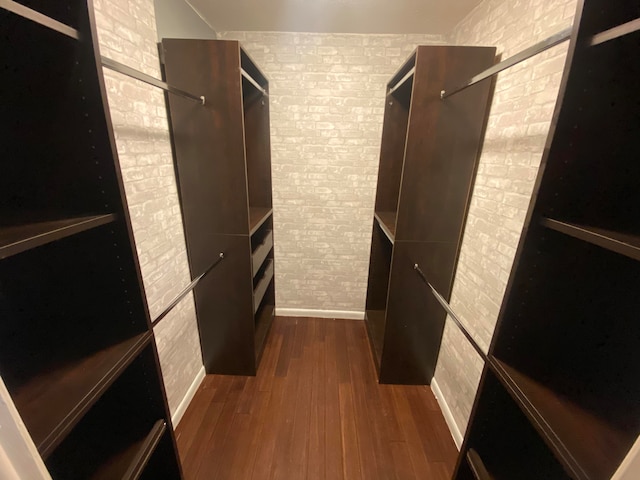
x: 314, y: 411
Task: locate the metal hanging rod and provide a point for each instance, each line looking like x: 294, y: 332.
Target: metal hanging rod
x: 451, y: 313
x: 253, y: 82
x: 187, y: 289
x: 532, y: 51
x: 616, y: 32
x: 143, y: 77
x: 39, y: 18
x: 401, y: 82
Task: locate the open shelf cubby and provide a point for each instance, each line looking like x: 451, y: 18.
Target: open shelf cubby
x: 103, y: 446
x: 503, y: 443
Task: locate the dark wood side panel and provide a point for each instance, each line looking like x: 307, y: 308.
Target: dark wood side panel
x: 208, y: 141
x: 224, y: 308
x: 415, y: 319
x: 444, y: 137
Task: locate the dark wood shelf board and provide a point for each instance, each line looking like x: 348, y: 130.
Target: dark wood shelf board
x: 53, y: 402
x: 264, y: 319
x: 20, y: 238
x: 616, y: 32
x: 129, y: 463
x: 257, y: 216
x: 622, y: 243
x: 263, y: 285
x: 477, y: 466
x: 582, y: 441
x: 387, y: 222
x: 374, y: 321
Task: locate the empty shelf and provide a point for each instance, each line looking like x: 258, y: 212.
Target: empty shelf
x: 582, y: 441
x: 130, y: 463
x: 622, y: 243
x: 387, y: 222
x: 264, y: 319
x: 257, y: 216
x: 20, y: 238
x: 52, y: 403
x: 261, y: 287
x: 260, y: 253
x: 375, y: 324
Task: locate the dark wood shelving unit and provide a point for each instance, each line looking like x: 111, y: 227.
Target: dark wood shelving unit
x: 75, y: 328
x: 235, y: 309
x: 20, y: 238
x: 565, y: 346
x: 477, y: 466
x: 426, y: 173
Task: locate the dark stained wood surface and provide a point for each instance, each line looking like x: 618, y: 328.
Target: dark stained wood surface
x: 53, y: 402
x: 314, y: 411
x: 387, y: 222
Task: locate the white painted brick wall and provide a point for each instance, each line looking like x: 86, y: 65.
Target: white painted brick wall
x: 327, y: 94
x: 519, y: 121
x: 127, y: 33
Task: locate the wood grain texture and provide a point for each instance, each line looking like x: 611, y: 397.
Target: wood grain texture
x: 314, y: 411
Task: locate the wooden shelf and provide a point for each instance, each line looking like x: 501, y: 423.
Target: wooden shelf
x: 261, y: 251
x: 477, y: 466
x: 130, y: 463
x: 581, y: 441
x: 54, y: 401
x: 616, y: 32
x: 264, y: 319
x: 263, y: 285
x: 257, y: 216
x: 387, y: 222
x: 20, y: 238
x: 375, y: 325
x: 622, y: 243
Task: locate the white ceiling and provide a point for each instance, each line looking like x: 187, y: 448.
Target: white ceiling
x: 334, y: 16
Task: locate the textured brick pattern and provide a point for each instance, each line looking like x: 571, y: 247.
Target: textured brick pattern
x: 519, y: 121
x: 127, y: 33
x: 327, y: 103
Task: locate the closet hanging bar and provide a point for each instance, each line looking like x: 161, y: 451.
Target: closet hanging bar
x: 187, y: 289
x: 253, y: 82
x: 402, y: 81
x: 148, y: 79
x: 37, y: 17
x: 450, y: 311
x: 532, y: 51
x: 616, y: 32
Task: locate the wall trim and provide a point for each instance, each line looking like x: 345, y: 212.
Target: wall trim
x: 309, y: 312
x: 182, y: 407
x: 448, y: 416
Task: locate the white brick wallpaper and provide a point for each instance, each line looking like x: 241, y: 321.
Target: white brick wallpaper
x: 127, y: 33
x: 521, y: 111
x: 327, y: 96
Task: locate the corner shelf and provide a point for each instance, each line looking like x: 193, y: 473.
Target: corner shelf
x: 564, y: 424
x: 622, y: 243
x: 387, y: 222
x: 20, y: 238
x: 52, y: 403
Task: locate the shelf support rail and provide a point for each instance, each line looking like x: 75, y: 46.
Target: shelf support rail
x: 186, y: 290
x: 520, y: 57
x: 37, y: 17
x: 148, y: 79
x: 441, y: 300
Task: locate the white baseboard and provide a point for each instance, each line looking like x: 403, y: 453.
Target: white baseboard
x: 182, y: 407
x: 305, y: 312
x: 446, y: 411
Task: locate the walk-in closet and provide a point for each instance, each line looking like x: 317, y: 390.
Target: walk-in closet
x: 319, y: 240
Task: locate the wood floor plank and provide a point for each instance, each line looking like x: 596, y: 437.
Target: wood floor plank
x: 314, y: 411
